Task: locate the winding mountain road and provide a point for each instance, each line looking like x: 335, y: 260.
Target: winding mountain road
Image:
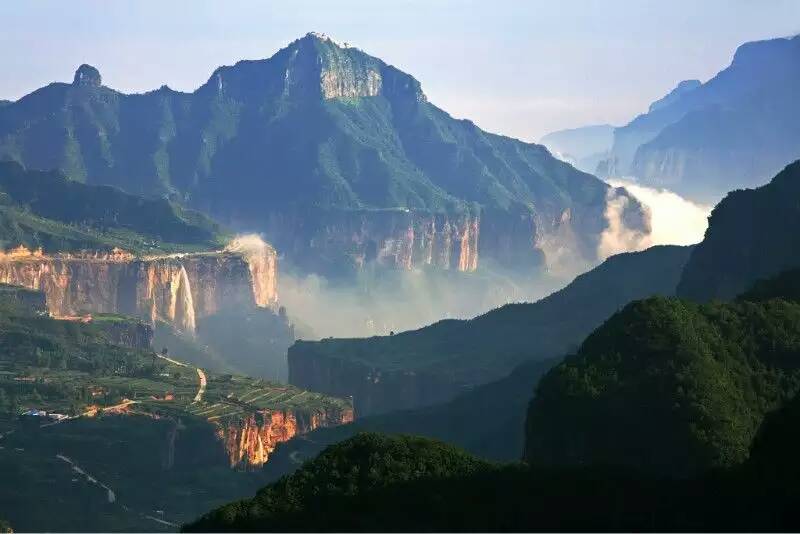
x: 203, y: 382
x: 201, y: 375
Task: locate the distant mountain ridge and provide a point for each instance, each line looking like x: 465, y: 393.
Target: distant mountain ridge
x: 704, y: 139
x: 337, y: 157
x: 583, y: 147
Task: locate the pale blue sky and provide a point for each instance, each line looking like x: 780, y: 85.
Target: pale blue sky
x: 522, y: 68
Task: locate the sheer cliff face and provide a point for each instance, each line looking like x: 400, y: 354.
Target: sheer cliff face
x: 399, y: 239
x: 177, y: 289
x: 262, y: 261
x: 250, y: 441
x: 407, y: 239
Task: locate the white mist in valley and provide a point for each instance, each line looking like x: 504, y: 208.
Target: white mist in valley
x: 674, y: 220
x: 618, y: 237
x: 382, y: 301
x: 378, y: 301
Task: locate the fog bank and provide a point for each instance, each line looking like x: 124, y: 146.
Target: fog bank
x: 674, y: 219
x: 381, y: 301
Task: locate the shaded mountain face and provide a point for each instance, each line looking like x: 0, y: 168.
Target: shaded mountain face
x: 736, y: 130
x: 436, y: 363
x: 752, y: 234
x: 336, y: 156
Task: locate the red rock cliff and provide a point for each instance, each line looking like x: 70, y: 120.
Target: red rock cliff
x: 250, y: 441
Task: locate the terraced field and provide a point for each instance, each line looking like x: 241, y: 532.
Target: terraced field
x: 229, y: 396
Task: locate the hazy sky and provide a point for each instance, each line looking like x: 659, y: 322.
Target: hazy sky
x: 522, y: 68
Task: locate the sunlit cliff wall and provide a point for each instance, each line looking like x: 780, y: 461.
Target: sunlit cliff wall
x: 177, y: 289
x: 553, y: 240
x: 397, y: 239
x: 249, y: 441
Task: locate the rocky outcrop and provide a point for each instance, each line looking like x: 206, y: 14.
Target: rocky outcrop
x: 177, y: 289
x: 87, y: 76
x: 249, y: 441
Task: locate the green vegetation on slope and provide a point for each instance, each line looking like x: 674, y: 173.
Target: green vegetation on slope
x: 362, y: 464
x: 373, y: 483
x: 668, y: 386
x: 44, y: 209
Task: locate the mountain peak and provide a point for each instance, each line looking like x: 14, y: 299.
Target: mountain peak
x: 315, y: 65
x: 87, y: 76
x: 324, y: 38
x: 344, y: 71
